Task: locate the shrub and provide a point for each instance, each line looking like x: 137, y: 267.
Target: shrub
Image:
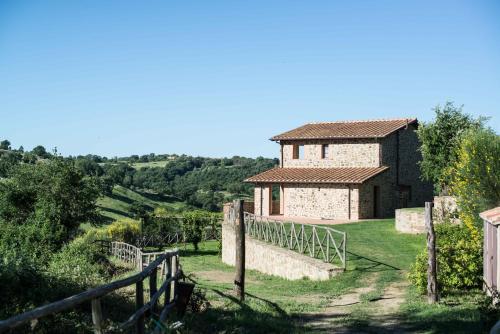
x: 123, y: 230
x: 80, y: 262
x: 476, y: 176
x: 195, y: 222
x: 459, y: 260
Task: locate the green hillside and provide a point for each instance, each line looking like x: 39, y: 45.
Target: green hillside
x: 117, y: 206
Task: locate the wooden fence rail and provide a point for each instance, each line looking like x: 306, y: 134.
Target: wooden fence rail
x: 316, y: 241
x: 167, y: 261
x: 175, y: 237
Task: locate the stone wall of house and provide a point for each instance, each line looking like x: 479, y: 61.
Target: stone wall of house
x: 341, y: 153
x: 386, y: 194
x: 328, y: 201
x: 409, y: 170
x: 410, y: 220
x: 265, y: 201
x: 273, y: 260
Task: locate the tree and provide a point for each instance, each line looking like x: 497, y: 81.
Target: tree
x: 40, y: 151
x: 89, y: 167
x: 475, y: 175
x: 439, y: 140
x: 44, y: 205
x: 5, y: 144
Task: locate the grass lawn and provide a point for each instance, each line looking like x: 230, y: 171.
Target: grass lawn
x: 139, y: 165
x: 117, y: 206
x: 378, y: 261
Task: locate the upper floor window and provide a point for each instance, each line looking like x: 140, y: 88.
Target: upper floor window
x: 324, y: 151
x: 298, y: 151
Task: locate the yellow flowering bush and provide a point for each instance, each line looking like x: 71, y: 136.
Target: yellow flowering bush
x: 475, y: 176
x: 123, y: 230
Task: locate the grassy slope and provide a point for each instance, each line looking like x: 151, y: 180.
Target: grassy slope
x: 117, y: 206
x: 377, y: 254
x: 139, y: 165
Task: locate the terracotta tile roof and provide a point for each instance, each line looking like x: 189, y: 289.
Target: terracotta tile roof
x: 347, y: 129
x: 492, y: 216
x: 316, y: 175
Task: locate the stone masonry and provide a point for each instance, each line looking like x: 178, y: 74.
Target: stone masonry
x: 273, y: 260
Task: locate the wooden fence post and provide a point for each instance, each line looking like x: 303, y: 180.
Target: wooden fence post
x: 153, y: 288
x: 432, y: 289
x: 139, y: 302
x: 239, y: 229
x: 97, y: 316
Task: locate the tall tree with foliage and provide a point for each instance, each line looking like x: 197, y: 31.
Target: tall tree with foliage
x: 5, y: 144
x: 475, y: 175
x: 42, y: 205
x: 439, y: 141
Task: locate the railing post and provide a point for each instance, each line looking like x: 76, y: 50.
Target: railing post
x: 328, y: 235
x: 97, y: 316
x: 174, y: 274
x: 302, y: 239
x: 343, y: 250
x: 153, y: 288
x: 313, y: 240
x: 139, y: 302
x: 168, y: 290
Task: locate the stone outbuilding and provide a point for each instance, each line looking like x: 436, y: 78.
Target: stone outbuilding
x: 344, y: 170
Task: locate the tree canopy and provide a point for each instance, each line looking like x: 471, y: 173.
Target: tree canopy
x: 440, y: 140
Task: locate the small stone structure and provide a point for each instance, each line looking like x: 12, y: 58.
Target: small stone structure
x: 410, y: 220
x: 273, y: 260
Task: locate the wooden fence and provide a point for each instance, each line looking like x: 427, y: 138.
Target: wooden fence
x: 175, y: 237
x: 316, y: 241
x: 167, y: 262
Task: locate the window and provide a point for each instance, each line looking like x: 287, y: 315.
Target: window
x: 324, y: 151
x: 298, y: 151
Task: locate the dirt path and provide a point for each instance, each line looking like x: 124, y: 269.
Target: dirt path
x: 377, y: 315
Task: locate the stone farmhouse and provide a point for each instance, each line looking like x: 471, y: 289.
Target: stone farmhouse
x: 344, y: 170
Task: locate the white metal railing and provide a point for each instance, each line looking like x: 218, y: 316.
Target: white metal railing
x: 134, y: 255
x: 320, y: 242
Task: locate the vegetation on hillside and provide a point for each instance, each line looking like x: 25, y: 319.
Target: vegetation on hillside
x: 41, y: 208
x: 199, y: 182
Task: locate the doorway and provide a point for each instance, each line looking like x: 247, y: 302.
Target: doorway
x: 276, y: 199
x: 376, y: 202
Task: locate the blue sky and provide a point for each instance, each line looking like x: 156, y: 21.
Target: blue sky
x: 218, y: 78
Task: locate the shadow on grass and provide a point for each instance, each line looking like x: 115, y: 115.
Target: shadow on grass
x: 363, y: 263
x: 158, y: 197
x: 255, y: 315
x: 115, y: 211
x: 199, y: 252
x: 121, y: 198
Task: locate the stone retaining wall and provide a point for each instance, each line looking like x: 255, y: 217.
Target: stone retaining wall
x: 273, y: 260
x: 410, y: 220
